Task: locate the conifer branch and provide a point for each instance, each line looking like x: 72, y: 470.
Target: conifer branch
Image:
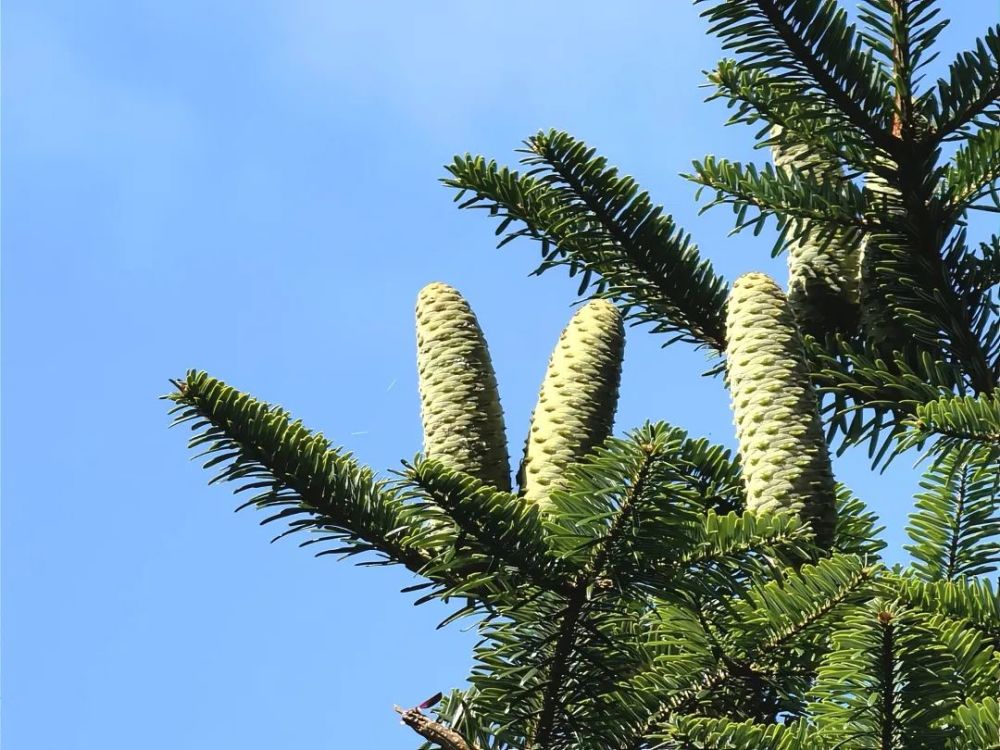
x: 580, y: 598
x: 758, y: 43
x: 632, y: 252
x: 975, y: 602
x: 974, y: 172
x: 831, y: 205
x: 557, y: 670
x: 826, y: 82
x: 902, y: 71
x: 971, y: 90
x: 595, y: 187
x: 956, y: 526
x: 295, y: 471
x: 834, y: 582
x: 888, y: 682
x: 629, y: 507
x: 432, y: 731
x: 503, y: 525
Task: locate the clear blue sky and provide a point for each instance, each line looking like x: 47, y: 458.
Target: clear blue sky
x: 251, y: 188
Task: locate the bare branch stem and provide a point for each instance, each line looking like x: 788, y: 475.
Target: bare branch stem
x: 430, y: 730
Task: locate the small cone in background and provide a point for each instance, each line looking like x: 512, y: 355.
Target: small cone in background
x: 822, y: 271
x: 786, y: 465
x: 576, y: 406
x: 459, y: 402
x: 880, y: 326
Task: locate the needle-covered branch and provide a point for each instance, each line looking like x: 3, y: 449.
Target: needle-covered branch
x: 296, y: 474
x: 957, y: 424
x: 601, y: 226
x: 764, y: 622
x: 813, y: 44
x: 831, y: 206
x: 970, y: 95
x: 974, y: 172
x: 955, y: 528
x: 509, y: 528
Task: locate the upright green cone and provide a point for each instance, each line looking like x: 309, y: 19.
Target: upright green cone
x: 460, y: 405
x: 576, y: 406
x: 881, y: 327
x: 822, y: 270
x: 786, y: 465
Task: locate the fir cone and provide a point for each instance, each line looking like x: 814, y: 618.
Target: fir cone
x: 822, y: 270
x: 576, y: 406
x: 882, y: 329
x: 786, y: 465
x: 460, y: 406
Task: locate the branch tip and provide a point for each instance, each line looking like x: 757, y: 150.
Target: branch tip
x: 432, y: 731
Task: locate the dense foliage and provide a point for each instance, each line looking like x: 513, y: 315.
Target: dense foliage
x: 654, y: 590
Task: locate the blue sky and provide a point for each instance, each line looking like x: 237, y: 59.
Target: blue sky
x: 251, y: 188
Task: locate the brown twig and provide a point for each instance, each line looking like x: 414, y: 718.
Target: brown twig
x: 430, y: 730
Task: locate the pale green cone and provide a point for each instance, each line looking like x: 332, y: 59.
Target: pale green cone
x: 785, y: 461
x: 459, y: 402
x: 822, y: 271
x: 576, y: 406
x: 881, y: 328
x: 883, y: 249
x: 885, y: 332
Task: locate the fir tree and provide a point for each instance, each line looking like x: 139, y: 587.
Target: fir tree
x: 658, y: 591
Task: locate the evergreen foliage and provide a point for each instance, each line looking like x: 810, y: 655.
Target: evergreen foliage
x: 655, y: 591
